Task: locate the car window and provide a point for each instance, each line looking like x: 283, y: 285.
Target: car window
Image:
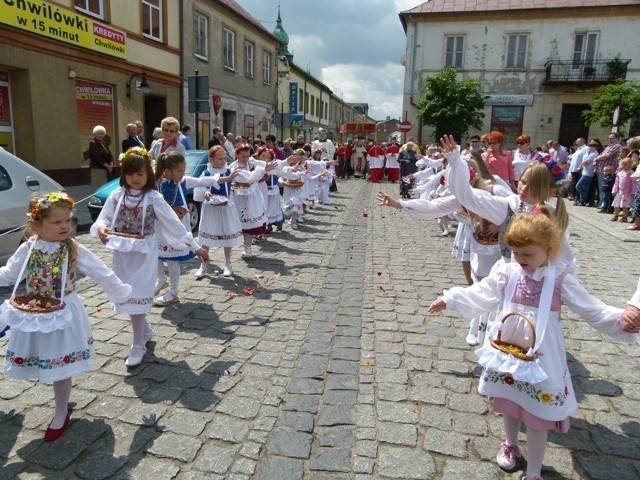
x: 5, y: 180
x: 193, y: 160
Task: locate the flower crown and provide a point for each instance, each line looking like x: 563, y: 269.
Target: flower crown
x: 134, y: 150
x: 46, y: 202
x: 555, y: 169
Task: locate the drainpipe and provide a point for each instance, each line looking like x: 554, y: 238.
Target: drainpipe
x: 414, y: 50
x: 182, y: 113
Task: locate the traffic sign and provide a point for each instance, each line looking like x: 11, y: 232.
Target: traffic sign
x: 404, y: 126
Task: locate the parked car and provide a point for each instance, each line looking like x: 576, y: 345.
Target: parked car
x: 18, y: 182
x: 196, y: 164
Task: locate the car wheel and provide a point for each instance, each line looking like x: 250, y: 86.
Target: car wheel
x: 194, y: 213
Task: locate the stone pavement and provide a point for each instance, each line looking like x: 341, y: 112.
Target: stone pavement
x: 317, y: 360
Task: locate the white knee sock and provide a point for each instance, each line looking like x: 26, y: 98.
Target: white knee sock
x: 227, y: 257
x: 62, y: 393
x: 511, y: 429
x: 161, y: 275
x: 536, y: 445
x: 138, y: 324
x: 174, y: 277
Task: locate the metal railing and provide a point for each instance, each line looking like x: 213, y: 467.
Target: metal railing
x: 598, y: 71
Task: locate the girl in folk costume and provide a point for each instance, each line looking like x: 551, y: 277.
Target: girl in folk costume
x: 247, y: 197
x: 127, y: 225
x: 393, y: 166
x: 51, y: 338
x: 270, y: 190
x: 169, y: 140
x: 375, y: 157
x: 293, y: 178
x: 173, y: 185
x: 325, y: 179
x: 525, y: 363
x: 219, y: 220
x: 313, y: 166
x: 537, y: 185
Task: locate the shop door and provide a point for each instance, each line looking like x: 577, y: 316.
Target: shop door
x: 155, y: 109
x: 572, y: 124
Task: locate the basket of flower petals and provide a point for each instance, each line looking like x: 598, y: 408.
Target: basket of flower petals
x: 293, y: 183
x: 33, y: 303
x: 127, y: 235
x: 519, y: 348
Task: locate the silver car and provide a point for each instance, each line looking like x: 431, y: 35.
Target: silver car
x: 18, y: 182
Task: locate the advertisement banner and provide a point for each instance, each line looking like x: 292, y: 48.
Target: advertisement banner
x: 293, y: 97
x: 6, y: 122
x: 94, y: 104
x: 49, y: 20
x: 296, y: 120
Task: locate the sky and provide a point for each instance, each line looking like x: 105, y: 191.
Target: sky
x: 354, y: 47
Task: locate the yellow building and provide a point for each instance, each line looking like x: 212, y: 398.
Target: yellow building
x: 68, y: 65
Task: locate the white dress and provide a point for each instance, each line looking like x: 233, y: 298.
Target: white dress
x: 57, y: 345
x: 176, y: 197
x: 219, y: 220
x: 247, y: 196
x: 135, y: 261
x: 552, y: 399
x: 293, y: 196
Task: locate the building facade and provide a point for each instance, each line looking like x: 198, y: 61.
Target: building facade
x: 538, y: 65
x: 69, y: 65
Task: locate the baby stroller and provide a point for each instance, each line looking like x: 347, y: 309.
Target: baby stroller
x: 406, y: 185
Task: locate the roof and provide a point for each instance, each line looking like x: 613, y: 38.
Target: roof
x: 451, y: 6
x: 242, y: 13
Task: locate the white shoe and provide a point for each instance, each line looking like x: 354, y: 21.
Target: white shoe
x: 472, y: 340
x: 202, y: 271
x: 246, y: 253
x: 161, y: 286
x: 445, y: 233
x: 294, y: 226
x: 227, y: 272
x: 135, y: 356
x: 300, y: 220
x: 148, y: 336
x: 166, y: 299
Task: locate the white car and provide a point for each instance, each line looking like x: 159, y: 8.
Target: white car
x: 18, y: 182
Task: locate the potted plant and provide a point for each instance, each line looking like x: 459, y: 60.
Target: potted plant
x: 617, y: 68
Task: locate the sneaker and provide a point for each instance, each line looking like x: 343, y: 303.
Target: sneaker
x: 300, y: 219
x: 165, y: 300
x: 246, y: 253
x: 227, y: 272
x: 472, y: 339
x: 508, y: 456
x: 202, y: 271
x: 294, y: 226
x: 623, y: 219
x: 161, y: 286
x: 531, y: 477
x: 445, y: 233
x: 615, y: 218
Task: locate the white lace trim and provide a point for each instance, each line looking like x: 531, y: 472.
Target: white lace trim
x: 522, y: 370
x: 47, y: 247
x: 22, y: 321
x: 124, y: 244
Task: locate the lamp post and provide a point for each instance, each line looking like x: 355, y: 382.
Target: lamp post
x: 283, y: 69
x: 142, y: 87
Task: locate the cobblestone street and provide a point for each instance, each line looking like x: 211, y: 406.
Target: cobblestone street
x: 317, y: 360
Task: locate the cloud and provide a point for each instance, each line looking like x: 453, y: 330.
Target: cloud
x: 351, y: 46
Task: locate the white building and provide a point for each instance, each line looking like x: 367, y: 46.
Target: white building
x: 538, y: 62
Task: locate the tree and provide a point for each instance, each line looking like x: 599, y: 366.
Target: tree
x: 608, y: 97
x: 451, y: 106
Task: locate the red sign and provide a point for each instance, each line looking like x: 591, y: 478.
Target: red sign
x: 217, y: 103
x: 404, y: 126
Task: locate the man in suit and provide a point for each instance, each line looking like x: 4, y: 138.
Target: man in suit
x: 132, y: 139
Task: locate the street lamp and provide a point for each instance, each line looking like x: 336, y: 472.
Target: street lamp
x: 143, y: 86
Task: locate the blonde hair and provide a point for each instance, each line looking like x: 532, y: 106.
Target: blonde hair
x: 538, y: 228
x: 170, y: 122
x: 542, y: 186
x: 36, y: 202
x: 626, y: 162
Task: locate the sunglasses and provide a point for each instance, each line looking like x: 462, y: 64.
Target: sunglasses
x: 168, y: 130
x: 520, y: 143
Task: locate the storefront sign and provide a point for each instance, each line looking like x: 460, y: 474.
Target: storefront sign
x: 49, y: 20
x: 497, y: 99
x: 293, y: 97
x: 94, y: 104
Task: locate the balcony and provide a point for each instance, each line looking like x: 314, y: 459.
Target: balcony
x: 590, y: 71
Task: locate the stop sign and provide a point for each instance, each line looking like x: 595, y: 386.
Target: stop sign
x: 404, y: 126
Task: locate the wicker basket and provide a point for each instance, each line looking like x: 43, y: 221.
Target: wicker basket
x: 240, y: 186
x: 512, y: 349
x: 481, y: 235
x: 36, y: 303
x: 293, y: 183
x: 127, y: 235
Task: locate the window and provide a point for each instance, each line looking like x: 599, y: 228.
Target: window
x: 517, y: 51
x: 318, y: 109
x: 5, y: 180
x: 249, y: 49
x: 91, y: 7
x: 152, y: 18
x: 229, y: 43
x: 200, y: 35
x: 266, y: 67
x: 454, y: 50
x: 301, y: 100
x: 306, y: 102
x: 313, y: 105
x: 584, y: 49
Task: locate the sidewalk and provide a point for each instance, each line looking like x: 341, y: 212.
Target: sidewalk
x: 601, y: 222
x: 80, y: 193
